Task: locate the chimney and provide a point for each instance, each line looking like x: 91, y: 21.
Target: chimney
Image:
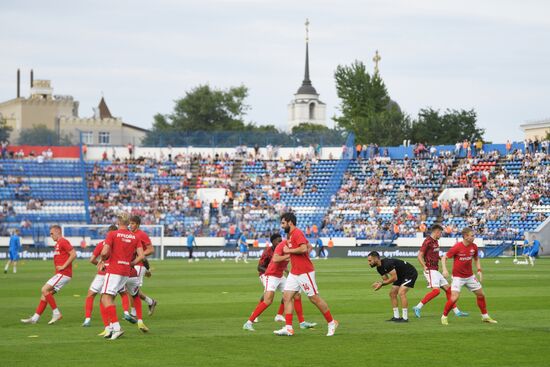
x: 18, y: 83
x: 32, y: 78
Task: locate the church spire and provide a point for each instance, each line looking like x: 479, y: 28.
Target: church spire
x: 306, y: 87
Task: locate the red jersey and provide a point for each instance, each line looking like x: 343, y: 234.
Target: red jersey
x: 124, y: 244
x: 430, y: 248
x: 299, y: 263
x: 96, y: 253
x: 145, y: 240
x: 265, y: 258
x: 463, y: 255
x: 277, y: 269
x: 61, y: 255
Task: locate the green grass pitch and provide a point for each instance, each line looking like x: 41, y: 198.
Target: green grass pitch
x: 203, y: 305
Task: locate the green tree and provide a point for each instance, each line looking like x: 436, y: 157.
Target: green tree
x: 5, y: 130
x: 41, y: 135
x: 366, y: 107
x: 449, y: 127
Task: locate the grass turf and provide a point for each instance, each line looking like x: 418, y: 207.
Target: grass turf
x: 203, y: 305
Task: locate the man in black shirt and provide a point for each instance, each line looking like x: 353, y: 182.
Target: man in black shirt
x: 401, y: 275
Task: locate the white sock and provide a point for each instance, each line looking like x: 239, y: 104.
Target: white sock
x: 35, y: 317
x: 456, y: 310
x: 56, y: 311
x: 149, y: 300
x: 140, y: 320
x: 87, y: 319
x: 485, y: 315
x: 419, y: 305
x: 331, y: 323
x: 248, y: 322
x: 127, y: 313
x: 15, y: 269
x: 133, y: 311
x: 289, y: 327
x: 115, y: 326
x: 396, y: 312
x: 405, y: 313
x: 6, y: 267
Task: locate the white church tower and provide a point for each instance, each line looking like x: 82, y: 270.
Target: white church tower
x: 306, y: 106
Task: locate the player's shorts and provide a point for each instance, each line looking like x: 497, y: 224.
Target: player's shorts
x: 262, y: 277
x: 435, y: 279
x: 14, y: 256
x: 132, y: 285
x: 58, y: 281
x: 407, y: 281
x: 272, y: 283
x: 534, y: 253
x: 114, y: 283
x: 471, y: 283
x: 140, y: 270
x: 97, y: 283
x: 302, y: 282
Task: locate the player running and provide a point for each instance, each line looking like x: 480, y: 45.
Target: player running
x: 64, y: 254
x: 272, y: 280
x: 321, y: 253
x: 15, y: 247
x: 428, y: 256
x: 401, y: 275
x: 243, y: 249
x: 142, y: 269
x: 301, y: 277
x: 532, y: 254
x: 120, y: 247
x: 463, y: 253
x: 96, y: 286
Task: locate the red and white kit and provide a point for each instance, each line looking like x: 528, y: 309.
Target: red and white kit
x: 302, y: 272
x: 61, y: 255
x: 124, y: 244
x: 99, y: 278
x: 430, y: 248
x: 462, y: 267
x: 273, y: 278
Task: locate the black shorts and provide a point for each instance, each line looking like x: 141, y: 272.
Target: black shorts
x: 408, y: 280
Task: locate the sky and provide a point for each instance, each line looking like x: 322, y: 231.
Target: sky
x: 492, y: 56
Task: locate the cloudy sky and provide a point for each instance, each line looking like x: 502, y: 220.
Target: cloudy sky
x: 492, y: 56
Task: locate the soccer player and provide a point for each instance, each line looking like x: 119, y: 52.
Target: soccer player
x: 15, y: 247
x: 428, y: 256
x: 243, y: 249
x: 401, y: 275
x: 64, y: 254
x: 533, y: 251
x: 463, y: 253
x: 142, y: 268
x: 191, y: 244
x: 272, y: 280
x: 320, y: 248
x: 301, y: 277
x: 120, y: 247
x: 96, y: 285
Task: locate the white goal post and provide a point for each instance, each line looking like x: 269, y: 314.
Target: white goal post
x: 92, y: 234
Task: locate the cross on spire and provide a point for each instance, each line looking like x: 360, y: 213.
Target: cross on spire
x: 376, y: 60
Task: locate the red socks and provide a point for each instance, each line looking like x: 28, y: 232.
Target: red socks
x: 111, y: 312
x: 482, y: 305
x: 448, y: 307
x: 41, y: 307
x: 125, y: 302
x: 328, y: 316
x: 448, y: 293
x: 51, y: 301
x: 104, y: 315
x: 431, y: 295
x: 288, y: 318
x: 299, y: 310
x: 89, y: 305
x: 137, y: 306
x: 281, y: 309
x: 257, y: 311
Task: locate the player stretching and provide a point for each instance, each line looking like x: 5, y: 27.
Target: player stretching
x: 243, y: 249
x: 301, y: 277
x: 401, y: 275
x: 120, y: 247
x: 429, y: 259
x: 64, y: 254
x: 463, y: 253
x: 96, y: 285
x: 142, y: 269
x: 272, y: 280
x: 15, y: 247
